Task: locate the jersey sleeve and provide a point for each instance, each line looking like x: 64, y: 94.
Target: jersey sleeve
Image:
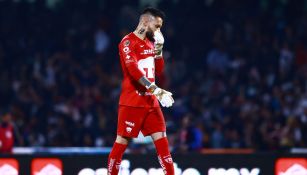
x: 128, y: 58
x: 159, y: 66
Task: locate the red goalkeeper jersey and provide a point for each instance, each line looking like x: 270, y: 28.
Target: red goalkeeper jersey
x: 137, y: 60
x: 6, y: 139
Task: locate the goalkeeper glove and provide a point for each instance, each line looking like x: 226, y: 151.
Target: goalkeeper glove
x: 158, y: 44
x: 164, y: 97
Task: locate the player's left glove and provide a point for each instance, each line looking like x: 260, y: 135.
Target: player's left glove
x: 159, y: 41
x: 164, y: 97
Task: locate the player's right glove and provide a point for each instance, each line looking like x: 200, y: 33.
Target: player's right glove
x: 159, y: 41
x: 165, y: 98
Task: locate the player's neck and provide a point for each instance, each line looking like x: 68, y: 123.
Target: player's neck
x: 140, y: 33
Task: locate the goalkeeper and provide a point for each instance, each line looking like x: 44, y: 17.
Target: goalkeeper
x: 139, y: 110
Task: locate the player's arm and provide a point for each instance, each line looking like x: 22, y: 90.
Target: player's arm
x: 159, y: 66
x: 128, y: 58
x: 164, y: 97
x: 158, y: 46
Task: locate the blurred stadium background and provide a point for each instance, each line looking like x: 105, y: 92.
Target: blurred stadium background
x: 237, y: 69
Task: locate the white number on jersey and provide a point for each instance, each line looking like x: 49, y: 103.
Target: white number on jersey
x: 147, y: 66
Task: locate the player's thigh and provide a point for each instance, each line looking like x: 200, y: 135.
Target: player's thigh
x: 130, y: 120
x: 154, y: 122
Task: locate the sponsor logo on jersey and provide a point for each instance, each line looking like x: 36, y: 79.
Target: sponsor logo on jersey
x: 148, y: 51
x: 129, y: 123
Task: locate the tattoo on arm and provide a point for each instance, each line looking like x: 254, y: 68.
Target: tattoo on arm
x: 145, y: 82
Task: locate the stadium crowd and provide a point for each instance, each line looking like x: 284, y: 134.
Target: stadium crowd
x: 237, y: 69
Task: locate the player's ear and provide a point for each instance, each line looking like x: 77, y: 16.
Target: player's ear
x: 146, y: 22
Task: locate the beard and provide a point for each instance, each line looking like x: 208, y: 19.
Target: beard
x: 150, y: 36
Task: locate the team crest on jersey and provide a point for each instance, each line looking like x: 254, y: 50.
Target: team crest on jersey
x: 168, y: 159
x: 128, y: 129
x: 126, y: 43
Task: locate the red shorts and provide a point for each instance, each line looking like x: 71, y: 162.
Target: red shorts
x: 132, y: 120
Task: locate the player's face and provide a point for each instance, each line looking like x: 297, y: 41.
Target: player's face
x: 153, y: 26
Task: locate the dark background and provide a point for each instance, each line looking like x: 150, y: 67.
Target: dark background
x: 237, y: 70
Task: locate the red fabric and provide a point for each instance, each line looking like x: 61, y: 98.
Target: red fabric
x: 301, y: 55
x: 164, y: 156
x: 6, y: 139
x: 132, y: 120
x: 159, y: 64
x: 115, y: 158
x: 137, y: 60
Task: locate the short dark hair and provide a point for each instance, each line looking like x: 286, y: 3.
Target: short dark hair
x: 154, y: 12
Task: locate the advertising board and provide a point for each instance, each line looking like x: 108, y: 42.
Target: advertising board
x: 147, y: 164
